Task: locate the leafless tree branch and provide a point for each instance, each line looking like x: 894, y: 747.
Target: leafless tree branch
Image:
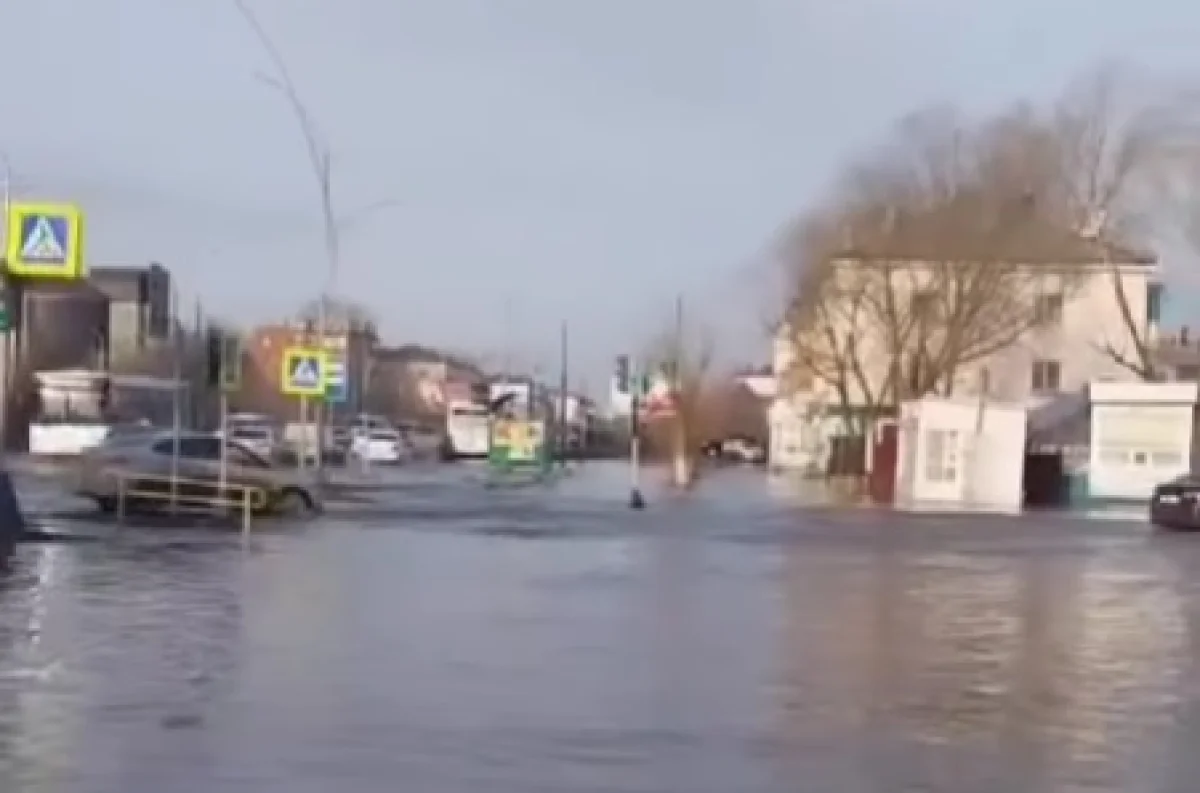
x: 319, y: 155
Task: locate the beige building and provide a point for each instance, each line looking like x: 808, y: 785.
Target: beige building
x: 1088, y: 306
x: 1091, y: 301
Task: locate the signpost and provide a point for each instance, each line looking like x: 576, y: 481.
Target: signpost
x: 639, y: 386
x: 337, y: 387
x: 45, y: 241
x: 304, y: 374
x: 40, y: 242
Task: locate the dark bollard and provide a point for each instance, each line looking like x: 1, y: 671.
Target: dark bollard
x: 12, y: 520
x: 635, y: 499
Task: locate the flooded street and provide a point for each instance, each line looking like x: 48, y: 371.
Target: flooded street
x: 448, y: 638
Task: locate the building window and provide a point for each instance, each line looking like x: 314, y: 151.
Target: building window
x: 941, y: 456
x: 1048, y: 310
x: 1188, y: 372
x: 1154, y: 301
x: 1047, y: 377
x: 923, y: 304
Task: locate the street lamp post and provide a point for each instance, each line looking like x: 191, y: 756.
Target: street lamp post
x: 320, y: 160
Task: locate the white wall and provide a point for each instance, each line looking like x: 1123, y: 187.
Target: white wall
x: 986, y: 455
x: 798, y: 441
x: 1091, y: 321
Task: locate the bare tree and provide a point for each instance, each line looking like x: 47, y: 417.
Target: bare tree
x: 932, y: 259
x: 351, y: 313
x: 684, y: 361
x: 321, y: 161
x: 1117, y: 158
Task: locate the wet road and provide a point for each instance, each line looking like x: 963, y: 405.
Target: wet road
x: 536, y: 640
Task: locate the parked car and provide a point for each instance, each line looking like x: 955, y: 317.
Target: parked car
x: 1176, y: 504
x: 288, y: 491
x: 736, y: 450
x: 379, y: 446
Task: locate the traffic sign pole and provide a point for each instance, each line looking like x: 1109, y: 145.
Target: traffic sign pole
x: 636, y: 500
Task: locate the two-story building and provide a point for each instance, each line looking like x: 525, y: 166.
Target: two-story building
x: 1062, y: 322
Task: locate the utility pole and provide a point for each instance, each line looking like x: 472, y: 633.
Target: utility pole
x: 562, y: 395
x: 176, y: 395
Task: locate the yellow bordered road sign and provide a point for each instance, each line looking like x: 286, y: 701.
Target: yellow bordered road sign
x: 304, y: 371
x: 45, y: 241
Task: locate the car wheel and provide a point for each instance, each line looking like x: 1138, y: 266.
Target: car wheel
x: 293, y: 502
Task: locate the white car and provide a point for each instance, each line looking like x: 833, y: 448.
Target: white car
x: 378, y: 446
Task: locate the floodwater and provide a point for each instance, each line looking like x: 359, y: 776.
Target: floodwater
x: 552, y: 640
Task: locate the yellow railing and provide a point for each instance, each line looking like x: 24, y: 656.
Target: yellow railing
x: 172, y: 492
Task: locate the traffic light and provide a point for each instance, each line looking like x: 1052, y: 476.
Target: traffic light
x: 231, y: 362
x: 213, y: 352
x: 622, y: 374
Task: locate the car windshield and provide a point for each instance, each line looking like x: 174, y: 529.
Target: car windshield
x: 132, y: 435
x: 384, y: 435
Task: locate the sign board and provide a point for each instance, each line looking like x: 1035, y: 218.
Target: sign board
x: 45, y: 241
x: 231, y: 362
x: 337, y: 389
x: 658, y: 406
x: 517, y: 444
x: 303, y: 371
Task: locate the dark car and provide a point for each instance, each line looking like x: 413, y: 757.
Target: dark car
x: 1176, y: 504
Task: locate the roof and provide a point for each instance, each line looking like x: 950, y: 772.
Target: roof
x: 125, y: 282
x: 64, y: 289
x: 418, y: 353
x: 1035, y: 242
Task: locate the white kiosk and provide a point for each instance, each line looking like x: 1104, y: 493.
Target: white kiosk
x: 1142, y: 434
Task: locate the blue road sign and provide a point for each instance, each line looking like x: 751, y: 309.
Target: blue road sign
x: 337, y: 390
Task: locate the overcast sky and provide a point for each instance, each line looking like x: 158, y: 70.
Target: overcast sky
x: 547, y: 157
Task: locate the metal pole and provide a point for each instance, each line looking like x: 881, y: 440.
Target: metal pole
x: 302, y: 446
x: 318, y: 413
x: 562, y: 395
x: 176, y: 407
x: 8, y: 348
x: 636, y: 500
x: 224, y: 436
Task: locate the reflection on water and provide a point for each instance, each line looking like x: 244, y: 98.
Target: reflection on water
x: 966, y: 672
x: 706, y: 644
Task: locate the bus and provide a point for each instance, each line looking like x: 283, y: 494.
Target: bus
x: 468, y: 430
x: 77, y: 409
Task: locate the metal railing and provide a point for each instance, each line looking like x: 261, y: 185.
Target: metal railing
x: 179, y: 494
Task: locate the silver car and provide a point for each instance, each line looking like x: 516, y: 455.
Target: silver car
x: 258, y: 438
x: 150, y: 455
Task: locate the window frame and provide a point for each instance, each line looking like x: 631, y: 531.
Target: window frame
x: 1039, y: 380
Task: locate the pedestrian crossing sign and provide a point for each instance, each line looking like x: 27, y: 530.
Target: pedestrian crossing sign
x: 45, y: 241
x: 304, y: 371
